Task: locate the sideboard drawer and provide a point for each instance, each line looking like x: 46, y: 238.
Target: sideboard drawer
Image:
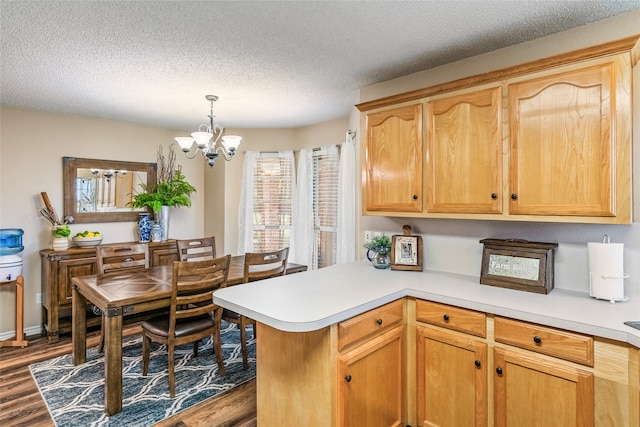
x: 553, y: 342
x: 447, y: 316
x: 370, y: 323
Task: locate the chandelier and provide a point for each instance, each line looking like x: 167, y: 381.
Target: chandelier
x: 207, y: 139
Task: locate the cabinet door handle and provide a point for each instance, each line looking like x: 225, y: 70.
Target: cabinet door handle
x: 348, y: 378
x: 446, y: 317
x: 477, y: 363
x: 514, y: 196
x: 379, y: 321
x: 537, y: 339
x: 494, y: 196
x: 414, y: 197
x: 499, y: 371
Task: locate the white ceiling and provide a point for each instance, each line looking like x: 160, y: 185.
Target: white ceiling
x: 273, y: 64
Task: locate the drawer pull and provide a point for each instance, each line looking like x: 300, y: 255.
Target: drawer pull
x: 499, y: 371
x: 477, y: 363
x: 537, y: 339
x: 348, y: 378
x: 379, y: 321
x: 446, y: 317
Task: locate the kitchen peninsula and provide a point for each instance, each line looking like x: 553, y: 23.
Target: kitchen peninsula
x: 327, y: 335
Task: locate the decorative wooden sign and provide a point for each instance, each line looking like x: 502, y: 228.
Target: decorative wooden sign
x: 518, y: 264
x: 406, y: 251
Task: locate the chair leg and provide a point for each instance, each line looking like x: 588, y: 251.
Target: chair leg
x: 243, y: 341
x: 146, y: 349
x: 172, y: 374
x: 101, y: 345
x: 195, y: 348
x: 217, y: 348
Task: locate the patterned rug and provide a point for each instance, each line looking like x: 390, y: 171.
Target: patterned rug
x: 74, y: 395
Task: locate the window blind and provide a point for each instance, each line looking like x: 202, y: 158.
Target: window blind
x: 325, y: 206
x: 273, y: 202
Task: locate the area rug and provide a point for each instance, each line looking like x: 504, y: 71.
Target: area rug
x: 74, y: 395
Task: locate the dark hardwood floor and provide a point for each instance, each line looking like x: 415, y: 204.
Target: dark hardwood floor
x: 22, y: 405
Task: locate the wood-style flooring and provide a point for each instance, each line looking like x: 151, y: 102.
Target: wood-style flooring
x: 22, y: 405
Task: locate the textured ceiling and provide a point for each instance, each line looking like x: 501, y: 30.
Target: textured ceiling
x: 273, y: 64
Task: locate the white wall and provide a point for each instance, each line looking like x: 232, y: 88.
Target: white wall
x: 453, y: 245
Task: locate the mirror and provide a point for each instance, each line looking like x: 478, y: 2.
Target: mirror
x: 100, y: 190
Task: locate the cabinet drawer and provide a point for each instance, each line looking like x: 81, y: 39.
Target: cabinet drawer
x: 553, y: 342
x: 447, y: 316
x: 370, y: 323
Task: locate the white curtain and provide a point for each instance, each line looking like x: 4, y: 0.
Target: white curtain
x: 302, y: 250
x: 245, y: 214
x: 346, y: 236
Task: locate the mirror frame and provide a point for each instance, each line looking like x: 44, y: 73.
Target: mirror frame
x: 70, y: 166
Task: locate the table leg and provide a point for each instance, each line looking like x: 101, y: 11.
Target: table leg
x: 113, y: 363
x: 79, y: 327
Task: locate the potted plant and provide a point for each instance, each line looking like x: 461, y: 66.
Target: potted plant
x: 379, y: 251
x: 171, y: 190
x: 60, y: 234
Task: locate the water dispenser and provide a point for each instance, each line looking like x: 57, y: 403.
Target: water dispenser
x: 10, y: 247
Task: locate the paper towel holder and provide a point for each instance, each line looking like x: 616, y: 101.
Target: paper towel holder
x: 596, y: 289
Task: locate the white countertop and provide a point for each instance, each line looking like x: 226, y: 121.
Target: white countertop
x: 315, y: 299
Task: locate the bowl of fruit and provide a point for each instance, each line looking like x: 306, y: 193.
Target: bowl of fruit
x: 87, y: 239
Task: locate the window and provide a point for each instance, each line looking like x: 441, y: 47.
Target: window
x: 269, y: 211
x: 325, y: 206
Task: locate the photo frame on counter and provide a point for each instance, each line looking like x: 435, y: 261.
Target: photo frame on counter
x: 406, y: 251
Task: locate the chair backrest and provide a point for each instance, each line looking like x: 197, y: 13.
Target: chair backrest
x: 193, y: 285
x: 263, y: 265
x: 122, y: 256
x: 196, y: 249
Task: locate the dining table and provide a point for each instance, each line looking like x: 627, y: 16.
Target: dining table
x: 123, y: 294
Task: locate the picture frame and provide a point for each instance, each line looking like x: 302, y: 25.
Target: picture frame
x: 406, y: 251
x: 518, y: 264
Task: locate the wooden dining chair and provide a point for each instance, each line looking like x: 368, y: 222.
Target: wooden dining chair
x: 192, y: 315
x: 196, y: 249
x: 257, y: 266
x: 117, y: 257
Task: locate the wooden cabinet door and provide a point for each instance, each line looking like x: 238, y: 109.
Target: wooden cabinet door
x: 464, y: 162
x: 564, y: 143
x: 451, y: 379
x: 69, y: 268
x: 370, y: 386
x: 532, y: 392
x: 393, y: 160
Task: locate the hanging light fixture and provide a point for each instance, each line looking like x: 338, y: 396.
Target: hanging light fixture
x: 207, y: 139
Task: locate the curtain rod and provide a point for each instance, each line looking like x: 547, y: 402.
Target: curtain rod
x: 351, y: 135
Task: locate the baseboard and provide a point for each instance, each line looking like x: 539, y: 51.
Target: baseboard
x: 34, y: 330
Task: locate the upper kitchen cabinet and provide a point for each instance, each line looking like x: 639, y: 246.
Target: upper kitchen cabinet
x: 464, y: 160
x: 570, y: 143
x: 393, y: 161
x: 548, y: 140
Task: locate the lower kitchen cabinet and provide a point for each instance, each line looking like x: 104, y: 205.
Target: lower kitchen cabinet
x: 350, y: 374
x: 451, y: 379
x: 418, y: 363
x: 371, y: 387
x: 530, y: 391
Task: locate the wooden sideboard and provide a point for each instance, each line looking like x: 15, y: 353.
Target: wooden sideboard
x: 58, y: 267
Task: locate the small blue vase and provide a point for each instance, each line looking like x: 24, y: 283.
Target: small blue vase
x: 144, y: 227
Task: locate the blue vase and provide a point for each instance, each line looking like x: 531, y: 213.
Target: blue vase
x: 144, y: 227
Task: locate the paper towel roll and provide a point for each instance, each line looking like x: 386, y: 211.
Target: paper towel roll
x: 606, y: 271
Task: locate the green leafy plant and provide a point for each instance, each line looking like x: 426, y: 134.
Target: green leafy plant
x: 171, y: 188
x: 61, y: 231
x: 379, y: 242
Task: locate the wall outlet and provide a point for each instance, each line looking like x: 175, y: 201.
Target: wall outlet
x: 377, y: 233
x: 368, y: 235
x: 38, y: 298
